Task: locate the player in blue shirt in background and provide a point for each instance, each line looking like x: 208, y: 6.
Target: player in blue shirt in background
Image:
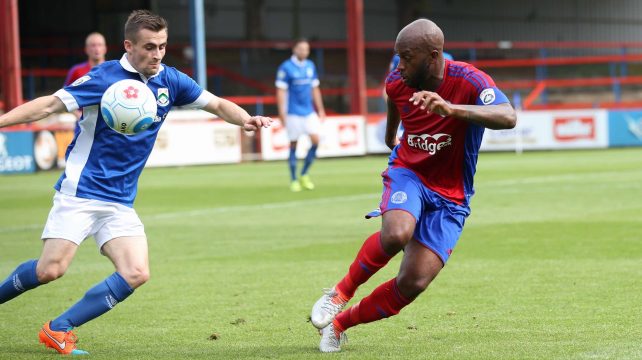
x: 96, y: 192
x: 297, y: 93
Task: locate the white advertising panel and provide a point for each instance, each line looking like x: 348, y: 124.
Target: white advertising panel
x: 550, y: 130
x: 340, y: 136
x: 193, y: 137
x: 376, y: 134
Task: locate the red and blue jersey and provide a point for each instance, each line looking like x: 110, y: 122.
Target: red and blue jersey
x: 76, y: 72
x: 443, y: 151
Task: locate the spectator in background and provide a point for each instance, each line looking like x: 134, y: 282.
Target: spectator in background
x: 297, y: 93
x: 95, y: 48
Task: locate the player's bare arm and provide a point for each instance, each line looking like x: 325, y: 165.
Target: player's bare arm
x: 34, y: 110
x: 235, y: 114
x: 501, y: 116
x: 281, y: 96
x: 318, y: 101
x: 392, y: 124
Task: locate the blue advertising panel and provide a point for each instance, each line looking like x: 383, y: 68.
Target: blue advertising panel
x: 16, y: 152
x: 625, y: 128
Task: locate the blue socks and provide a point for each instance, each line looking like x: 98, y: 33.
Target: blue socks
x: 23, y: 278
x: 292, y: 163
x: 97, y: 301
x: 309, y: 159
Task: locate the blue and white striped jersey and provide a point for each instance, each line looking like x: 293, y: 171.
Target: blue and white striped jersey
x: 103, y: 164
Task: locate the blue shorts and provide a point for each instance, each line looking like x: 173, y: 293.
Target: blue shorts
x: 438, y: 221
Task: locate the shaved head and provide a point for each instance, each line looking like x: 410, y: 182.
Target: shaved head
x: 422, y: 34
x: 420, y: 46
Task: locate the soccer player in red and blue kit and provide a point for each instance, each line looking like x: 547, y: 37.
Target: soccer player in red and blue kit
x: 95, y: 48
x: 444, y: 107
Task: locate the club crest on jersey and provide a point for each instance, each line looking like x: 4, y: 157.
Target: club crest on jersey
x: 429, y: 143
x: 399, y: 197
x: 81, y: 80
x: 162, y: 97
x: 487, y: 96
x: 309, y: 72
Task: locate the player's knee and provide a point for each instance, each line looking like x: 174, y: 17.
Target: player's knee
x: 397, y: 236
x: 136, y: 276
x: 50, y: 271
x: 411, y: 286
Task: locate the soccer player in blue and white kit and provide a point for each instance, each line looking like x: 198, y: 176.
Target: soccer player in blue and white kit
x: 96, y: 192
x: 298, y: 93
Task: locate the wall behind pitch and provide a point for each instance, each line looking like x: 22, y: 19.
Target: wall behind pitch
x: 461, y: 20
x: 318, y: 20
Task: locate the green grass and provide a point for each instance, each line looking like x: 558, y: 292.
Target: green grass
x: 549, y: 265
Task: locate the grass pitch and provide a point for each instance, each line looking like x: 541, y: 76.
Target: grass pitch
x: 549, y: 265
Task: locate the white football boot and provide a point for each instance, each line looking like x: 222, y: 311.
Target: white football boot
x: 330, y: 340
x: 326, y: 308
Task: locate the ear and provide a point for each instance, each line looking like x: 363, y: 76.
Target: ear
x: 128, y: 45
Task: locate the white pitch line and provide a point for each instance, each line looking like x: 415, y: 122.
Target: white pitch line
x: 21, y: 228
x: 274, y: 205
x: 224, y: 209
x: 277, y: 205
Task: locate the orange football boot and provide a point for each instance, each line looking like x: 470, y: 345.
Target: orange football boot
x: 61, y: 341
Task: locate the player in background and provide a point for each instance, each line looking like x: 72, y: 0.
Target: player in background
x: 95, y: 48
x: 96, y: 192
x: 444, y: 106
x: 297, y: 94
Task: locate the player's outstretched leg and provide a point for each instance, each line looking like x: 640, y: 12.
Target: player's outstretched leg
x: 306, y: 182
x: 418, y: 268
x: 97, y: 301
x: 295, y: 185
x: 369, y: 260
x: 385, y: 301
x: 331, y: 339
x: 23, y: 278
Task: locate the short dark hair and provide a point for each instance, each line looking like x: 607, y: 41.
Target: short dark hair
x: 143, y: 19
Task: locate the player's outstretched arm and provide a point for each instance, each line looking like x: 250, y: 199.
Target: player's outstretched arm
x: 281, y: 98
x: 318, y: 101
x: 235, y: 114
x: 392, y: 125
x: 501, y: 116
x: 33, y: 110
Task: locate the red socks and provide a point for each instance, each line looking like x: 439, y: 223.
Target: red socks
x: 385, y: 301
x: 369, y: 260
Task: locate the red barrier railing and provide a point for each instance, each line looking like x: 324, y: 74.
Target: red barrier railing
x: 602, y: 81
x: 539, y: 86
x: 574, y: 60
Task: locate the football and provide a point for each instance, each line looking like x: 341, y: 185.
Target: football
x: 128, y: 106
